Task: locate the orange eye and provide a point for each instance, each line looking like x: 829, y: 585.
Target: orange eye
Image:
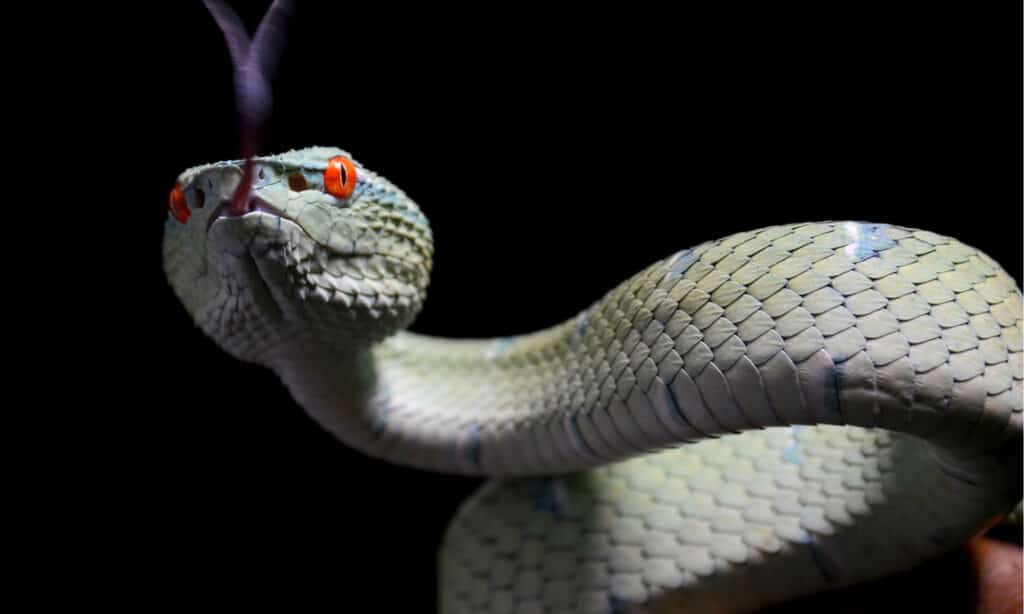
x: 178, y: 205
x: 340, y: 177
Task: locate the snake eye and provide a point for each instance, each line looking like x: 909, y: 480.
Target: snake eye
x: 340, y: 177
x: 178, y: 205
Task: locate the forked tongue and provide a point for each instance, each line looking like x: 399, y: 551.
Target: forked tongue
x: 255, y: 61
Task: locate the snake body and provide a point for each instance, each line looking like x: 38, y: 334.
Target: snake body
x: 849, y: 395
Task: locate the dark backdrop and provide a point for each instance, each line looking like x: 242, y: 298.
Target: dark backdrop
x: 511, y: 127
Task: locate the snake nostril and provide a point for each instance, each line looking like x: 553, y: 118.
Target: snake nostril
x: 200, y: 198
x: 297, y: 182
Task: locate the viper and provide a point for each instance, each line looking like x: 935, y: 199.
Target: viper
x: 765, y: 415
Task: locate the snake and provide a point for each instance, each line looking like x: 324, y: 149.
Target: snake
x: 761, y: 416
x: 775, y: 413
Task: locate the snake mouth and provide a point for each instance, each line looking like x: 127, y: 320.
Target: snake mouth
x: 254, y: 204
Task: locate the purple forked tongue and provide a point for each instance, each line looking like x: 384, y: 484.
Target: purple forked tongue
x: 254, y: 62
x: 240, y: 199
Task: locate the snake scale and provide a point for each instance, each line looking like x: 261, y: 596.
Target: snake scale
x: 850, y: 394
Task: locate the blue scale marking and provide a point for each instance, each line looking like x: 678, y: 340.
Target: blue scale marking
x: 833, y: 382
x: 682, y: 262
x: 548, y: 495
x: 582, y: 322
x: 579, y: 436
x: 960, y: 477
x: 868, y: 240
x: 380, y: 421
x: 410, y: 215
x: 472, y: 449
x: 385, y: 405
x: 501, y: 345
x: 679, y: 412
x: 791, y: 454
x: 826, y: 566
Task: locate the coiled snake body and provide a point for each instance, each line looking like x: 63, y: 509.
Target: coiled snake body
x: 849, y: 394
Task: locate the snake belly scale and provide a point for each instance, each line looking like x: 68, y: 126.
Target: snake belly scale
x: 766, y: 415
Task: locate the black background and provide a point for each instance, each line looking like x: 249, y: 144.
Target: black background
x: 555, y: 154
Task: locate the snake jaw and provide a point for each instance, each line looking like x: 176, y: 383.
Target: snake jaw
x: 244, y: 201
x: 254, y: 204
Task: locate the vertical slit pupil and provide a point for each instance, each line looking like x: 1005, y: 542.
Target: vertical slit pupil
x: 344, y: 174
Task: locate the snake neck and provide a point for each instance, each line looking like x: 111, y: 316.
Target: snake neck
x: 427, y: 401
x: 665, y: 358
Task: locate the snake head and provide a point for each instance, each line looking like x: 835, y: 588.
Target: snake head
x: 303, y: 247
x: 322, y: 250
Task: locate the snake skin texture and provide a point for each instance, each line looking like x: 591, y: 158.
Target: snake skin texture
x: 850, y: 396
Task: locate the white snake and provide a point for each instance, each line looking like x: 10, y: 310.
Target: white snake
x: 850, y: 394
x: 903, y: 345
